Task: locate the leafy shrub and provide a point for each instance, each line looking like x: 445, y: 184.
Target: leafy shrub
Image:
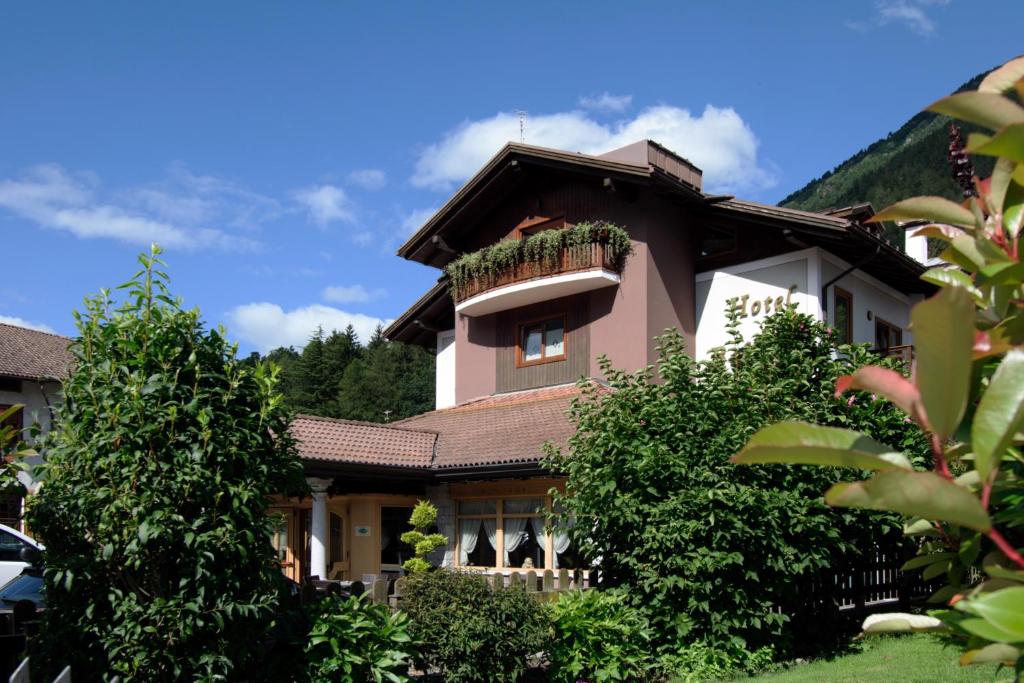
x: 354, y: 640
x: 423, y: 516
x: 469, y: 632
x: 164, y: 453
x: 598, y: 636
x: 711, y: 552
x: 966, y: 396
x: 543, y: 248
x: 700, y: 661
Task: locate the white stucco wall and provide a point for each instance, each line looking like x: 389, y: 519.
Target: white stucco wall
x: 871, y: 297
x: 444, y: 386
x: 798, y: 278
x: 36, y: 398
x: 756, y: 288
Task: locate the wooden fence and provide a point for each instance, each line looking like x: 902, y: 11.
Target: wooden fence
x: 876, y: 583
x: 22, y: 674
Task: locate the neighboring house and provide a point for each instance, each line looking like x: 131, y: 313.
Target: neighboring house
x: 510, y: 352
x: 32, y: 365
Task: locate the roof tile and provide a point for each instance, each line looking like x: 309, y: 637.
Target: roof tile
x: 31, y: 354
x: 349, y: 441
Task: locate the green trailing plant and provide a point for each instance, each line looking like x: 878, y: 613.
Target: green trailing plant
x: 710, y: 554
x: 966, y: 508
x: 597, y: 636
x: 353, y: 640
x: 469, y: 632
x: 164, y: 453
x: 423, y: 517
x: 543, y: 249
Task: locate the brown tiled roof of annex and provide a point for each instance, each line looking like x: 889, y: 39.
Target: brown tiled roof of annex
x: 502, y: 429
x: 365, y: 443
x: 31, y: 354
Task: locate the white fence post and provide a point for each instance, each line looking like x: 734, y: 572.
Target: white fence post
x: 21, y: 674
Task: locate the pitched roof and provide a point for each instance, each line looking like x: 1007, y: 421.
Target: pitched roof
x: 31, y: 354
x: 496, y: 430
x: 501, y: 429
x: 365, y: 443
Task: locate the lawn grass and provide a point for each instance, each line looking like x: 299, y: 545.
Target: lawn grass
x: 906, y: 659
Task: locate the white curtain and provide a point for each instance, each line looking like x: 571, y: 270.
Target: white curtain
x: 515, y: 534
x: 515, y: 527
x: 469, y: 531
x: 448, y: 529
x: 560, y: 536
x: 491, y: 529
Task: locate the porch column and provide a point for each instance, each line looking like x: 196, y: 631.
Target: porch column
x: 318, y: 528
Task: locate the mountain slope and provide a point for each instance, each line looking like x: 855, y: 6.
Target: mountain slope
x: 908, y: 162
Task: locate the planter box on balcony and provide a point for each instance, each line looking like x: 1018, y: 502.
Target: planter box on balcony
x: 574, y: 270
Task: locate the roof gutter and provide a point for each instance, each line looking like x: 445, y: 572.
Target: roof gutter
x: 837, y: 278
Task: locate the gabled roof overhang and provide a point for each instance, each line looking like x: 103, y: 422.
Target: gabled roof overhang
x: 850, y: 240
x: 505, y: 171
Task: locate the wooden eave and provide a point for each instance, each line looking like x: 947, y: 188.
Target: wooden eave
x: 503, y: 171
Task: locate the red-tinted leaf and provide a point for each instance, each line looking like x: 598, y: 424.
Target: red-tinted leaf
x: 889, y: 384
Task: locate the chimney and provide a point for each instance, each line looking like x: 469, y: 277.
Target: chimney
x: 650, y: 153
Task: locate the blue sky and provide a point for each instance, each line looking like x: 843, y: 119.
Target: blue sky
x: 282, y: 151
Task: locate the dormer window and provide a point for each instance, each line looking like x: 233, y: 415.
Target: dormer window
x: 534, y: 224
x: 541, y: 341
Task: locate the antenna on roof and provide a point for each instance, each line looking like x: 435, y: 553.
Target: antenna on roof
x: 522, y: 125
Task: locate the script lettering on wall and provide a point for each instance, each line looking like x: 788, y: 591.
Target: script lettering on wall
x: 749, y: 308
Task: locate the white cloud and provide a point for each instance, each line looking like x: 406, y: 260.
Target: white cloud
x: 21, y: 322
x: 267, y: 326
x: 354, y: 294
x: 718, y: 141
x: 326, y: 204
x: 368, y: 178
x: 606, y: 102
x: 51, y: 197
x: 913, y: 14
x: 414, y: 220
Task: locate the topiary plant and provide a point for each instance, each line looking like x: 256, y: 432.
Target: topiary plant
x: 153, y: 506
x: 423, y: 517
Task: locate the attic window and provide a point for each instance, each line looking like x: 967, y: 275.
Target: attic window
x: 717, y: 241
x: 534, y: 224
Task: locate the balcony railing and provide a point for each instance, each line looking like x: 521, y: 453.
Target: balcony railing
x: 568, y: 260
x: 904, y: 352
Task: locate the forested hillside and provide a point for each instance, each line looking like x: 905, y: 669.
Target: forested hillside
x: 906, y: 163
x: 336, y: 376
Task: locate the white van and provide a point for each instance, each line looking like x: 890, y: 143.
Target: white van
x: 14, y: 547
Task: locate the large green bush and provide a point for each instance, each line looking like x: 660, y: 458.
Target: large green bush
x: 713, y: 554
x: 354, y: 640
x: 598, y: 636
x: 153, y: 507
x: 469, y: 632
x: 966, y: 504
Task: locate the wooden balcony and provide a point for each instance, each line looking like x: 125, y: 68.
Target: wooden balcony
x: 575, y: 269
x: 904, y: 352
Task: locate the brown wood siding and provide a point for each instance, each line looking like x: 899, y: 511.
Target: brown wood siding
x: 546, y: 196
x: 577, y: 345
